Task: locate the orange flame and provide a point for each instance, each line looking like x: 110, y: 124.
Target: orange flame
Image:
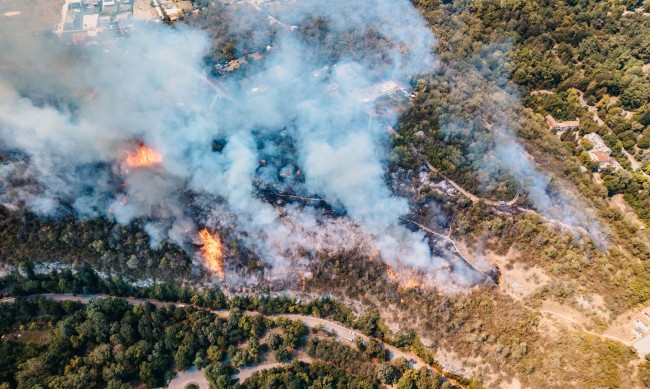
x: 411, y: 283
x: 390, y: 273
x: 143, y: 157
x: 303, y: 283
x: 212, y: 252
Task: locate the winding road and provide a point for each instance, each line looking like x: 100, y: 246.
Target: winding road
x: 474, y: 198
x: 579, y: 325
x: 343, y: 334
x: 593, y: 110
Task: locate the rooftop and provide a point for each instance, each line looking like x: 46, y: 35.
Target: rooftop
x: 561, y: 125
x: 602, y: 156
x: 376, y: 91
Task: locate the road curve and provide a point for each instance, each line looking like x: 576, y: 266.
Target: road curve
x: 472, y: 197
x: 343, y: 334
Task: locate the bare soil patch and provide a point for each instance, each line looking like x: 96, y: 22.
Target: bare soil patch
x: 142, y: 10
x: 632, y: 325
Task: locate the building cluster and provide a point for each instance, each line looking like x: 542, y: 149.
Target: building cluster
x: 88, y: 19
x: 600, y: 153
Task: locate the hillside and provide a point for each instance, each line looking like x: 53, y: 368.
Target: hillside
x: 465, y: 181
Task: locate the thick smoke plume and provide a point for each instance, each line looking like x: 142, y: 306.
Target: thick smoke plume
x: 296, y: 122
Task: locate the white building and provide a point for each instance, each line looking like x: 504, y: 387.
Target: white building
x: 598, y: 143
x: 90, y: 21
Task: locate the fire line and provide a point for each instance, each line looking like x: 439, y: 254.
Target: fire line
x: 212, y: 250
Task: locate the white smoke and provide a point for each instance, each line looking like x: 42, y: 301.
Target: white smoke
x: 301, y: 105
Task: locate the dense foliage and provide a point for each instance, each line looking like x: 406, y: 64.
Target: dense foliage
x: 104, y: 245
x: 110, y: 343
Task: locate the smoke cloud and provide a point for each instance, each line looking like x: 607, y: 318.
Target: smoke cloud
x: 297, y: 121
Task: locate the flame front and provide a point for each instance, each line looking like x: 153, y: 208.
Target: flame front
x: 212, y: 250
x: 303, y: 283
x: 143, y: 157
x: 412, y: 283
x: 390, y: 273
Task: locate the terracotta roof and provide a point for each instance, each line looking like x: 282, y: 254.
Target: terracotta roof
x: 555, y: 124
x: 602, y: 156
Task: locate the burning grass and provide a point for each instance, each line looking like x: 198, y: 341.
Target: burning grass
x: 412, y: 282
x: 143, y: 157
x: 212, y: 250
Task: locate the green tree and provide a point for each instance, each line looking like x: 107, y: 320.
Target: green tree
x: 282, y: 355
x: 274, y: 341
x: 218, y: 376
x: 386, y: 373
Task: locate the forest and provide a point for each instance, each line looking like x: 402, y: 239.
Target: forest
x: 590, y: 61
x: 110, y: 343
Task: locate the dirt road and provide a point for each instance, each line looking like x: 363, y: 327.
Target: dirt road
x: 473, y: 197
x: 581, y: 327
x: 346, y: 335
x: 593, y: 110
x: 189, y: 376
x: 343, y: 334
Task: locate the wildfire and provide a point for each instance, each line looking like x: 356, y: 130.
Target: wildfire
x: 143, y: 157
x: 303, y: 283
x: 412, y: 283
x: 212, y: 250
x: 390, y: 273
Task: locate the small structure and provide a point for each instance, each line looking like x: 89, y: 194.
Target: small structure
x: 598, y: 143
x: 235, y: 64
x: 604, y: 160
x: 231, y: 66
x: 184, y: 6
x: 541, y: 92
x: 90, y: 21
x: 104, y: 20
x: 287, y: 171
x: 172, y: 13
x: 562, y: 126
x: 387, y: 89
x: 123, y: 17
